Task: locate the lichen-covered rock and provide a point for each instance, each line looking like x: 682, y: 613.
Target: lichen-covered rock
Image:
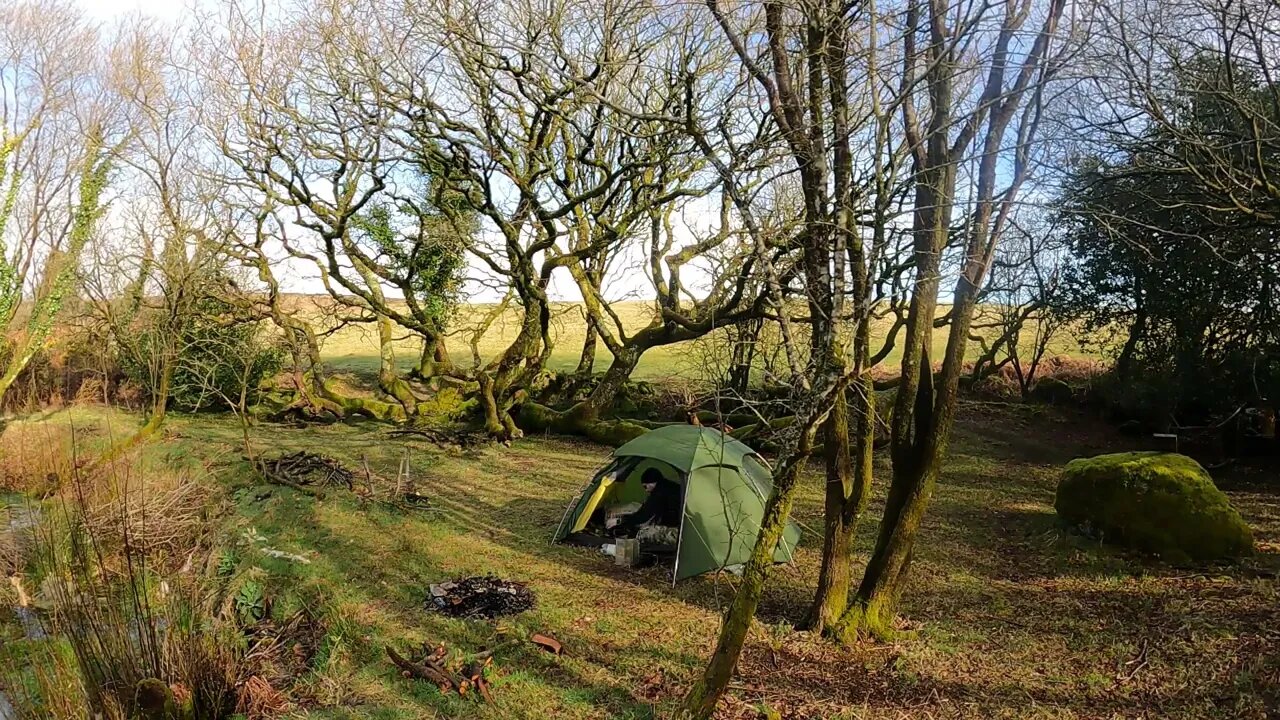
x: 1161, y: 503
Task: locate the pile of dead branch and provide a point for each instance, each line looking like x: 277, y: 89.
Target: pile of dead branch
x: 281, y: 651
x: 466, y: 675
x: 461, y: 439
x: 306, y: 472
x: 463, y: 675
x: 482, y: 596
x: 163, y: 512
x: 310, y: 473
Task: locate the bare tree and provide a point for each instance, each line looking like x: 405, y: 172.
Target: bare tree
x: 160, y: 262
x: 1013, y: 54
x: 57, y: 128
x: 1019, y: 314
x: 942, y: 48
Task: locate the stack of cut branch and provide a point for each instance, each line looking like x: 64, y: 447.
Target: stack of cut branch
x: 305, y: 471
x: 460, y: 673
x: 462, y: 676
x: 463, y: 439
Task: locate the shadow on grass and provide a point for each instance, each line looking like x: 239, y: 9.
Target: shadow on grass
x: 1148, y: 647
x: 370, y: 568
x: 1015, y: 614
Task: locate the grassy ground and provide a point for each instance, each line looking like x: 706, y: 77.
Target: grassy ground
x: 353, y: 348
x: 1007, y: 615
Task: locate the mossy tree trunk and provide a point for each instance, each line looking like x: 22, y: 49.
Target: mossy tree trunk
x: 701, y: 700
x: 389, y: 380
x: 742, y: 355
x: 837, y: 540
x: 915, y: 435
x: 586, y: 417
x: 501, y: 382
x: 587, y: 358
x: 434, y: 359
x: 315, y: 392
x: 848, y: 488
x: 604, y: 394
x: 925, y: 407
x: 61, y: 264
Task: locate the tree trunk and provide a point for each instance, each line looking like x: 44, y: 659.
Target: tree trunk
x: 606, y: 391
x: 17, y: 363
x: 584, y: 417
x: 434, y: 359
x: 846, y: 499
x: 743, y: 353
x: 1137, y: 331
x: 389, y: 381
x: 916, y: 465
x: 914, y: 434
x: 837, y: 540
x: 701, y: 700
x: 160, y: 401
x: 587, y: 360
x: 872, y: 610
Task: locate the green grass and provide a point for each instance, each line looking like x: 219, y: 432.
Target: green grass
x: 353, y: 348
x: 1008, y: 616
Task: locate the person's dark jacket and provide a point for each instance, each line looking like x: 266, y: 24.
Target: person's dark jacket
x: 662, y: 507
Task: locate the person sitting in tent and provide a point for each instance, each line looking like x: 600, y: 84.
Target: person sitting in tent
x: 658, y: 519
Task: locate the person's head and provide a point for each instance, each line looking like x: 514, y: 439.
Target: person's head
x: 651, y: 478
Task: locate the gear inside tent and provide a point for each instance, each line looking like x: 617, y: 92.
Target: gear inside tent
x: 723, y: 486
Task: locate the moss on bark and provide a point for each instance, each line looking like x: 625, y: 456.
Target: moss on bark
x: 1162, y: 503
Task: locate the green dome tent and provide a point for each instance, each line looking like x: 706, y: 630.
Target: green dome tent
x: 724, y: 488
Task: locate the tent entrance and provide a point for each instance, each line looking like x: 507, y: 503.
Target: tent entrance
x: 617, y: 485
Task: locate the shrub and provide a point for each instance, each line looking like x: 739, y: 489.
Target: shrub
x: 217, y: 352
x: 444, y: 405
x: 1051, y: 390
x: 1161, y: 503
x: 1147, y: 403
x: 72, y: 367
x: 125, y: 641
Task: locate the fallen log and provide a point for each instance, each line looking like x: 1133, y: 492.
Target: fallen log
x: 462, y: 439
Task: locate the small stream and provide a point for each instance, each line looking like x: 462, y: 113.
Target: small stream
x: 30, y: 623
x: 18, y: 522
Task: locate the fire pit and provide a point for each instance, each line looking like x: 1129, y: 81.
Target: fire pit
x: 481, y: 596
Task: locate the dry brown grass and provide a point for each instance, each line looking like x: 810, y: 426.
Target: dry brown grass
x: 35, y: 456
x: 159, y: 509
x: 161, y: 513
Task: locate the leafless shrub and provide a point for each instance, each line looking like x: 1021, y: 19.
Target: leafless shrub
x: 161, y: 514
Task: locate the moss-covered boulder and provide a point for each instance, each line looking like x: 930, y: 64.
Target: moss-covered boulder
x: 1161, y: 503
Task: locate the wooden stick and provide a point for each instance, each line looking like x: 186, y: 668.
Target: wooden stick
x: 426, y: 671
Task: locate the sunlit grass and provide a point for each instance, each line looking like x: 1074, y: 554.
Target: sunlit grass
x: 1002, y: 605
x: 353, y: 348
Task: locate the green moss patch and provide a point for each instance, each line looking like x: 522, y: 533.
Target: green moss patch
x: 1162, y: 503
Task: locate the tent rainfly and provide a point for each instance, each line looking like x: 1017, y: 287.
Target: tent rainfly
x: 724, y: 488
